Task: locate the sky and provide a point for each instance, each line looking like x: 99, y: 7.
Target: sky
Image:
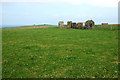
x: 29, y: 12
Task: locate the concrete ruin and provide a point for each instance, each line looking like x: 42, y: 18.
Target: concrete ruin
x: 89, y: 24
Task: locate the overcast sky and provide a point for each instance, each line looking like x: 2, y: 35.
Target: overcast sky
x: 29, y: 12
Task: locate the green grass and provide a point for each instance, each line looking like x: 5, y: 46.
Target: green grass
x: 19, y: 27
x: 59, y: 53
x: 107, y: 27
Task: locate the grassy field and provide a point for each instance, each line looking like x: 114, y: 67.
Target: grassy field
x: 59, y: 53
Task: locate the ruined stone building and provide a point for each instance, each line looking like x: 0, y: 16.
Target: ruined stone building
x: 88, y: 25
x: 61, y: 24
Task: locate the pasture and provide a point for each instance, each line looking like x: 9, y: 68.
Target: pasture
x: 59, y: 53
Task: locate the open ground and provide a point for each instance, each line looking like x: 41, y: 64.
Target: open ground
x: 59, y: 53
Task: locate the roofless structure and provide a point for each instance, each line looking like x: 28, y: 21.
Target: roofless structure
x: 89, y: 24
